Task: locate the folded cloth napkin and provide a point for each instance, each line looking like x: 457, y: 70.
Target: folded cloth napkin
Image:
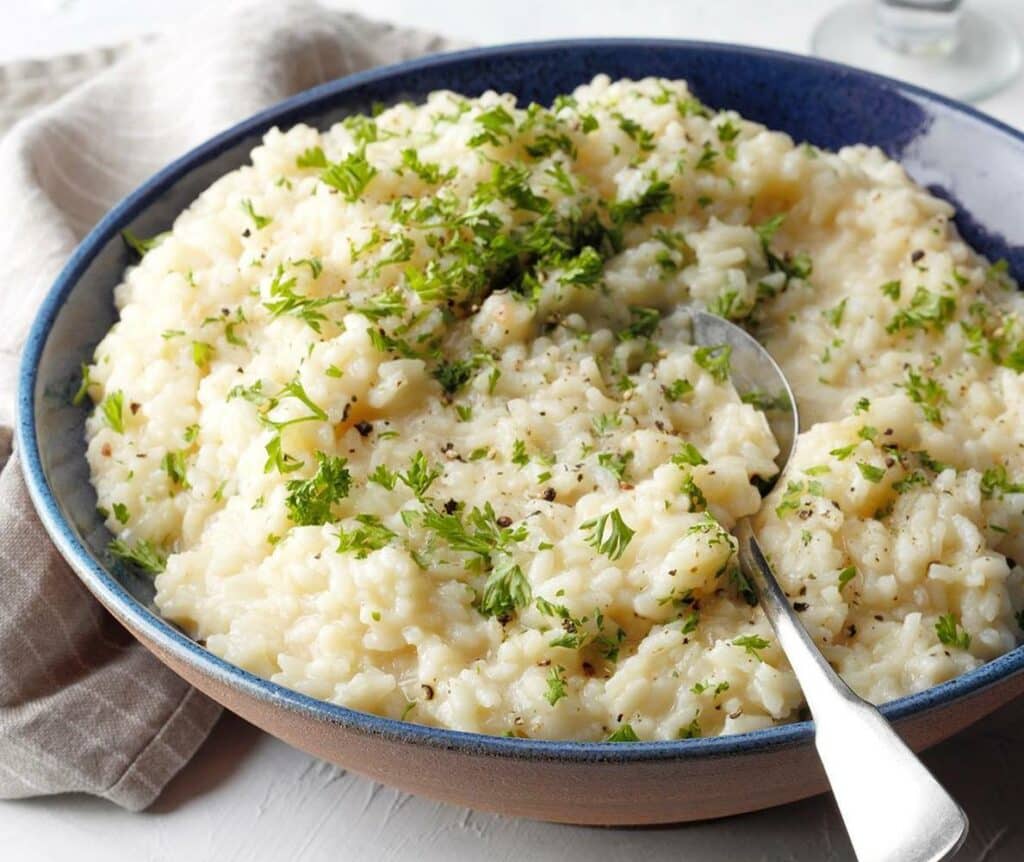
x: 82, y: 706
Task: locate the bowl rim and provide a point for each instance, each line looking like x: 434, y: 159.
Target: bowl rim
x: 138, y: 617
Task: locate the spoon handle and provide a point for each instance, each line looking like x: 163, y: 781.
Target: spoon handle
x: 894, y: 810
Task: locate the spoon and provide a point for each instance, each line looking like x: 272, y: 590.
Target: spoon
x: 893, y: 808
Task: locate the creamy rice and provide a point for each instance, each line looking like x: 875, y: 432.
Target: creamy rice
x: 403, y: 415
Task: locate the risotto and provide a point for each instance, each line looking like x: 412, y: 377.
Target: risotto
x: 404, y: 415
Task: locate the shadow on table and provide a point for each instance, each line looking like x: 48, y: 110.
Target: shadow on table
x: 983, y: 769
x: 217, y: 759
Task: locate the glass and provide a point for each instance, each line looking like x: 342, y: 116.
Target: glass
x: 936, y: 44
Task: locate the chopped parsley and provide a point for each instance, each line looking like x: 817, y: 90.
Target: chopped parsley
x: 260, y: 221
x: 690, y: 731
x: 835, y: 314
x: 311, y: 158
x: 121, y: 513
x: 691, y: 490
x: 173, y: 464
x: 505, y: 590
x: 284, y: 300
x: 556, y: 684
x: 429, y: 172
x: 141, y: 246
x: 519, y: 455
x: 350, y: 176
x: 657, y: 197
x: 584, y: 270
x: 643, y: 323
x: 892, y: 290
x: 624, y: 733
x: 689, y: 455
x: 641, y: 136
x: 605, y: 422
x: 847, y: 575
x: 715, y: 360
x: 616, y: 464
x: 454, y: 374
x: 927, y: 311
x: 201, y: 353
x: 609, y: 534
x: 871, y: 472
x: 370, y: 535
x: 309, y: 501
x: 496, y: 126
x: 678, y: 390
x: 752, y: 644
x: 142, y: 554
x: 708, y: 155
x: 951, y: 633
x: 843, y: 452
x: 420, y: 475
x: 928, y: 394
x: 995, y: 482
x: 384, y: 477
x: 83, y: 388
x: 112, y: 408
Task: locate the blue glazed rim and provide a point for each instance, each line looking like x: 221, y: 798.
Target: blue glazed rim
x: 130, y: 611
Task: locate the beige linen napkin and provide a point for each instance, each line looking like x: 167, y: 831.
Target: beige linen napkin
x: 82, y: 706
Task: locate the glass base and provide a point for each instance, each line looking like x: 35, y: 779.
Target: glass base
x: 986, y: 58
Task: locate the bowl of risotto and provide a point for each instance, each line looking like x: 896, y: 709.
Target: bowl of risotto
x: 379, y: 419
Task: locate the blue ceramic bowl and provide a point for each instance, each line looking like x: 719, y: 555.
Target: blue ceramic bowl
x: 960, y: 154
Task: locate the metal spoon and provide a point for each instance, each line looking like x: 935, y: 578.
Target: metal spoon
x: 893, y: 808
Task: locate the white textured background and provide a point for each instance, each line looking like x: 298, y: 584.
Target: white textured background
x: 249, y: 797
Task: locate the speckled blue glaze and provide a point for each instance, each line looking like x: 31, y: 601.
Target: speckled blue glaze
x: 959, y: 153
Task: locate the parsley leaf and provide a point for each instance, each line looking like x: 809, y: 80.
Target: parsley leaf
x: 350, y: 176
x: 928, y: 393
x: 429, y: 172
x: 311, y: 158
x: 715, y: 360
x: 615, y: 464
x: 201, y: 353
x: 384, y: 477
x: 142, y: 554
x: 871, y: 472
x: 505, y: 590
x: 609, y: 534
x: 657, y: 197
x: 420, y: 475
x: 556, y: 684
x: 454, y: 374
x: 624, y: 733
x: 679, y: 389
x: 258, y: 220
x: 141, y: 246
x: 951, y: 633
x: 112, y: 408
x: 643, y: 323
x: 995, y: 481
x: 751, y: 645
x: 309, y: 501
x: 370, y: 536
x: 927, y: 310
x: 689, y: 455
x: 584, y: 270
x: 496, y: 125
x: 173, y: 464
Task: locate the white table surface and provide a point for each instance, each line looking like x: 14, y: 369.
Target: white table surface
x: 247, y: 796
